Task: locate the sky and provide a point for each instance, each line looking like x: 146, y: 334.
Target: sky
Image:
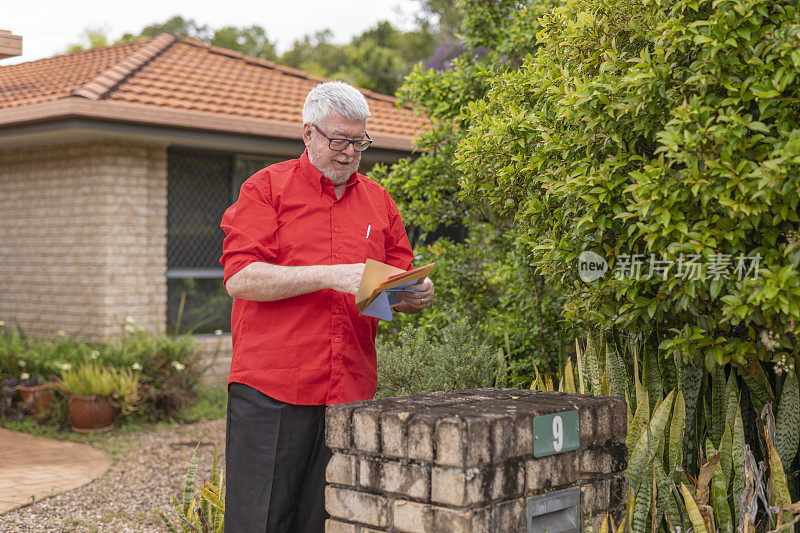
x: 47, y: 27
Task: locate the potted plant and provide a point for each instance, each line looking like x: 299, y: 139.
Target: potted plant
x: 35, y: 393
x: 126, y: 396
x: 95, y: 393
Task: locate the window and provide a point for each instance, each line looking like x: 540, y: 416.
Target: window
x: 200, y: 187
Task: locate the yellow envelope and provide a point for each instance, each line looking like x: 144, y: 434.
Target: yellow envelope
x: 378, y: 277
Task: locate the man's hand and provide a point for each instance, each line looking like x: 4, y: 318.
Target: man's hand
x: 346, y: 278
x: 416, y: 301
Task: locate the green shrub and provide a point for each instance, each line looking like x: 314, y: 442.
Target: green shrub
x: 168, y: 369
x: 487, y: 276
x: 488, y: 283
x: 424, y: 360
x: 656, y: 128
x: 667, y: 129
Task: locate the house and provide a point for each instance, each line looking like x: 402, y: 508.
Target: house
x: 116, y: 165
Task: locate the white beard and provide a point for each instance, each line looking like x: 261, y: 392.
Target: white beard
x: 337, y: 174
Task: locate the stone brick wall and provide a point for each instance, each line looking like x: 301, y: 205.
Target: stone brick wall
x: 216, y: 353
x: 463, y: 461
x: 83, y: 238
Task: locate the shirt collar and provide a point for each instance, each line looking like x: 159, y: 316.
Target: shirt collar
x: 319, y: 182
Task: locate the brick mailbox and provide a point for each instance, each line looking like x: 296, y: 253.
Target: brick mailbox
x: 473, y: 461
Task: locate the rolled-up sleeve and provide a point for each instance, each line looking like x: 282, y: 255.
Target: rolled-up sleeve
x: 251, y: 228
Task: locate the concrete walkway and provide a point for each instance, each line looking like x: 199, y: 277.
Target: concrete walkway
x: 32, y: 468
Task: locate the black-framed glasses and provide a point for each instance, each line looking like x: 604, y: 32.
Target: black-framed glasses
x: 339, y: 145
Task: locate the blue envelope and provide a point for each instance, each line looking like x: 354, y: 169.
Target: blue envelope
x: 381, y: 307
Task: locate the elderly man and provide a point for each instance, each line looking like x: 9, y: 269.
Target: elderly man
x: 296, y: 242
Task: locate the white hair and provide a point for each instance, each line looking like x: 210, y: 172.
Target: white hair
x: 337, y: 97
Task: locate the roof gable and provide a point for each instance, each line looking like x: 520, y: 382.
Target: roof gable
x: 56, y: 77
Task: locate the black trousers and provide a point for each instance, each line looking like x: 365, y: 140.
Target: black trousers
x: 275, y: 460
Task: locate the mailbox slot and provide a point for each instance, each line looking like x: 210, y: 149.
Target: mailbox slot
x: 555, y: 512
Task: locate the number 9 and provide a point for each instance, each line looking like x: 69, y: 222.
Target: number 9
x: 558, y: 433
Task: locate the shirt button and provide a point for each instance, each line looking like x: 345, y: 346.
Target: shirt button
x: 336, y: 230
x: 338, y: 256
x: 337, y: 339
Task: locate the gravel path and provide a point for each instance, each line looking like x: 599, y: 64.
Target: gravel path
x: 149, y: 469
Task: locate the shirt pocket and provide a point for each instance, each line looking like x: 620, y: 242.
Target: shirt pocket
x: 372, y: 244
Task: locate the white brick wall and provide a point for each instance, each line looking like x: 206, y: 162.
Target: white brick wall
x: 217, y: 353
x: 83, y: 238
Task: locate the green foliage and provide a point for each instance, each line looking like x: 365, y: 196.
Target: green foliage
x: 451, y: 358
x: 155, y: 374
x: 88, y: 379
x: 92, y: 37
x: 616, y: 371
x: 488, y: 274
x: 92, y: 379
x: 719, y: 493
x: 251, y: 40
x: 677, y: 425
x: 126, y: 391
x: 738, y: 454
x: 655, y: 128
x: 482, y: 283
x: 377, y: 59
x: 787, y: 420
x: 201, y: 508
x: 170, y: 367
x: 428, y: 187
x: 644, y: 449
x: 211, y: 405
x: 724, y: 487
x: 698, y: 524
x: 445, y: 12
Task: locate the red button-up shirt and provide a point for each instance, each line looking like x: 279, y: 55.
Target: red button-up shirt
x: 311, y: 349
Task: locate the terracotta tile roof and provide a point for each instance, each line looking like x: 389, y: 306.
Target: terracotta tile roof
x: 179, y: 74
x: 56, y: 77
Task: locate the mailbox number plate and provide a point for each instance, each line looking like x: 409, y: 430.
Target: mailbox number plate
x: 555, y: 433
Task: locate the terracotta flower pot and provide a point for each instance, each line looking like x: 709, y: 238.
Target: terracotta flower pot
x: 91, y: 414
x: 37, y: 399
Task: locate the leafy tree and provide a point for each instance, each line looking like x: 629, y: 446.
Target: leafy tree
x: 656, y: 128
x: 487, y: 276
x: 315, y: 54
x: 378, y: 59
x: 92, y: 37
x: 445, y: 14
x: 176, y: 25
x: 664, y: 132
x: 251, y: 40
